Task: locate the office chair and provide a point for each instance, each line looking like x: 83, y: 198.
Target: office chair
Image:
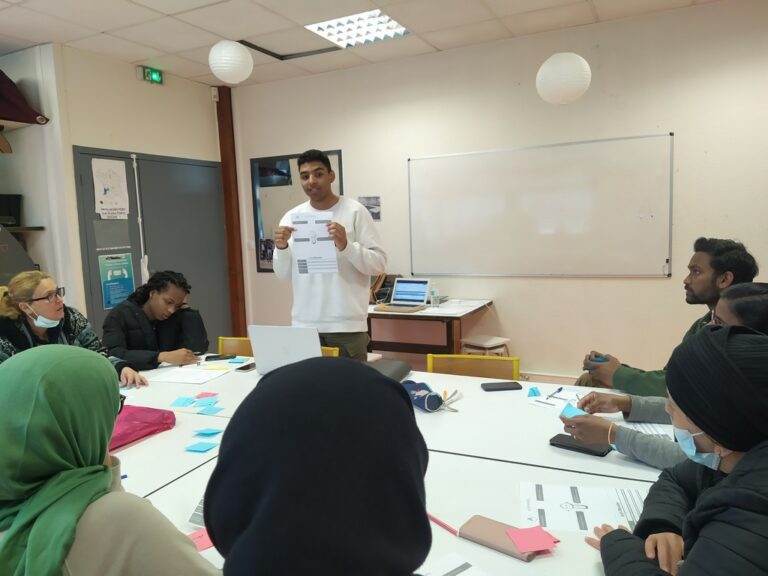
x: 503, y: 367
x: 329, y: 351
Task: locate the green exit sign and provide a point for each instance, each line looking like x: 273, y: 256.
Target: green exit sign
x: 149, y: 74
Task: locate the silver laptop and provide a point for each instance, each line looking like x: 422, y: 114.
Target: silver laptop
x: 276, y: 346
x: 408, y: 295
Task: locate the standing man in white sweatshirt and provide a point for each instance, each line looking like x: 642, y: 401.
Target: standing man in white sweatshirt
x: 337, y: 303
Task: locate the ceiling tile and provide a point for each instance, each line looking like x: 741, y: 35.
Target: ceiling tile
x: 168, y: 35
x: 428, y: 15
x: 509, y: 7
x: 9, y: 44
x: 611, y: 9
x: 176, y: 65
x: 175, y: 6
x: 115, y: 47
x: 291, y: 41
x: 273, y: 72
x: 465, y: 35
x: 236, y: 19
x: 390, y: 49
x: 310, y: 11
x: 550, y: 19
x: 329, y: 61
x: 103, y: 16
x: 39, y: 28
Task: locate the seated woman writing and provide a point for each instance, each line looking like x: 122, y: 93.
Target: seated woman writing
x: 709, y: 514
x: 155, y: 324
x: 32, y: 313
x: 62, y: 508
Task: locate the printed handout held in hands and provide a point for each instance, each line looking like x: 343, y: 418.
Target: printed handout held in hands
x: 313, y: 248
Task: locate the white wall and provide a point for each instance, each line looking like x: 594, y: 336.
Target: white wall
x: 95, y: 102
x: 700, y: 72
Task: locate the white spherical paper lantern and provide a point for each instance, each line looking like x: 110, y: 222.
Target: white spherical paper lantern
x: 563, y: 78
x: 230, y: 61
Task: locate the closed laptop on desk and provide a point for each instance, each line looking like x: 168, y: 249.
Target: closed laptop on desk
x: 277, y: 346
x: 408, y: 295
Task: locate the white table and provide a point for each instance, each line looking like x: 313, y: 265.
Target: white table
x: 505, y: 426
x: 158, y: 460
x: 459, y: 487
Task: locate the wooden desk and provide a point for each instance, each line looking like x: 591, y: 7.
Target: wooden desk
x: 429, y: 331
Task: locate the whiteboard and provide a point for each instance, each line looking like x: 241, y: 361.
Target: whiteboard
x: 597, y: 208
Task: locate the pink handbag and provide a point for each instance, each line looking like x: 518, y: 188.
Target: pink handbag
x: 137, y: 422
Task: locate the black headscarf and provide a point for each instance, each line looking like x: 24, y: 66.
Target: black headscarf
x: 719, y: 379
x: 321, y: 471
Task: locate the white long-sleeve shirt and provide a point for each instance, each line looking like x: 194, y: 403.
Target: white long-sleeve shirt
x: 335, y: 302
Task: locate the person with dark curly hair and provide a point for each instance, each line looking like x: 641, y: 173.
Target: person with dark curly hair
x: 155, y: 324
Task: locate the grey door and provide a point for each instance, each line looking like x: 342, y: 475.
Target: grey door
x: 183, y: 221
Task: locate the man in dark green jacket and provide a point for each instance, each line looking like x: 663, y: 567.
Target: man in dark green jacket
x: 715, y: 265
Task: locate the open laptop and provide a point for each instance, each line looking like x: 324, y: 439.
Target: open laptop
x: 408, y: 295
x: 276, y: 346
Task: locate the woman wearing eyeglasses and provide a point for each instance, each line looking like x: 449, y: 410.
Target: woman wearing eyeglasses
x: 33, y: 313
x: 62, y: 507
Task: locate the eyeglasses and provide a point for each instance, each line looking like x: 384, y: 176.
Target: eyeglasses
x: 122, y: 403
x: 51, y: 296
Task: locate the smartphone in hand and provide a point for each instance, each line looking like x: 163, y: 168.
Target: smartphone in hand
x: 499, y: 386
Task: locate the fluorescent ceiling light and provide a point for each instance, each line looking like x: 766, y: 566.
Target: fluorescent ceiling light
x: 358, y: 29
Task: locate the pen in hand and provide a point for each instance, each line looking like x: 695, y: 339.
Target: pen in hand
x: 555, y: 392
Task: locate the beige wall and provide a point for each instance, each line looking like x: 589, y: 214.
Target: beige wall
x: 700, y: 72
x: 96, y: 102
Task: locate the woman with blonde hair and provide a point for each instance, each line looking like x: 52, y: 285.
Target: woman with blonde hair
x: 33, y: 313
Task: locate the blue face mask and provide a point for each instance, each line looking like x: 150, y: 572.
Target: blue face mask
x: 43, y: 322
x: 688, y: 446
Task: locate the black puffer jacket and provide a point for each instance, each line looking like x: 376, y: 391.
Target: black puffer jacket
x: 723, y: 520
x: 130, y: 335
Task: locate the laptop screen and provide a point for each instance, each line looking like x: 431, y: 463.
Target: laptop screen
x: 410, y: 291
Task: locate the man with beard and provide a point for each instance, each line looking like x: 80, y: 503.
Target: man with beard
x: 715, y: 265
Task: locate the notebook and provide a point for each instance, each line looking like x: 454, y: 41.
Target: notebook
x: 277, y: 346
x: 408, y: 295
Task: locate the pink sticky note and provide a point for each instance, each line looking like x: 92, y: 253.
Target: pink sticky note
x: 201, y: 539
x: 534, y: 539
x: 207, y: 394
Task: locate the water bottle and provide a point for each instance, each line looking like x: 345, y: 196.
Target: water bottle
x: 434, y: 298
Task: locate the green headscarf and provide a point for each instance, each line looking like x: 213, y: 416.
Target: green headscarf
x: 59, y: 407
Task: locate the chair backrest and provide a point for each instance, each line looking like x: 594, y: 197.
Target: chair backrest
x: 235, y: 345
x: 329, y: 351
x: 504, y: 367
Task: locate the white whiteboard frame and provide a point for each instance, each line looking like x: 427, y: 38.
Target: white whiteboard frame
x: 437, y: 217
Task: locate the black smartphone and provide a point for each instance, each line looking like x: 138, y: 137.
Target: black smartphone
x: 246, y: 367
x: 219, y: 357
x: 499, y: 386
x: 570, y: 443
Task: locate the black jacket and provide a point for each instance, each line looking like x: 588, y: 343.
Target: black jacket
x: 723, y: 520
x: 130, y: 335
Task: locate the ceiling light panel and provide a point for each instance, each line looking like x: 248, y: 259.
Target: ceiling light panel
x: 359, y: 29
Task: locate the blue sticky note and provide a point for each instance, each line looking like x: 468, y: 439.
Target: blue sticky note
x: 208, y: 432
x: 237, y: 360
x: 570, y: 411
x: 200, y: 447
x: 203, y: 402
x: 183, y: 401
x: 210, y: 410
x: 533, y: 391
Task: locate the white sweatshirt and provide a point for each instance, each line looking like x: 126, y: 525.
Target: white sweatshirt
x: 335, y: 302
